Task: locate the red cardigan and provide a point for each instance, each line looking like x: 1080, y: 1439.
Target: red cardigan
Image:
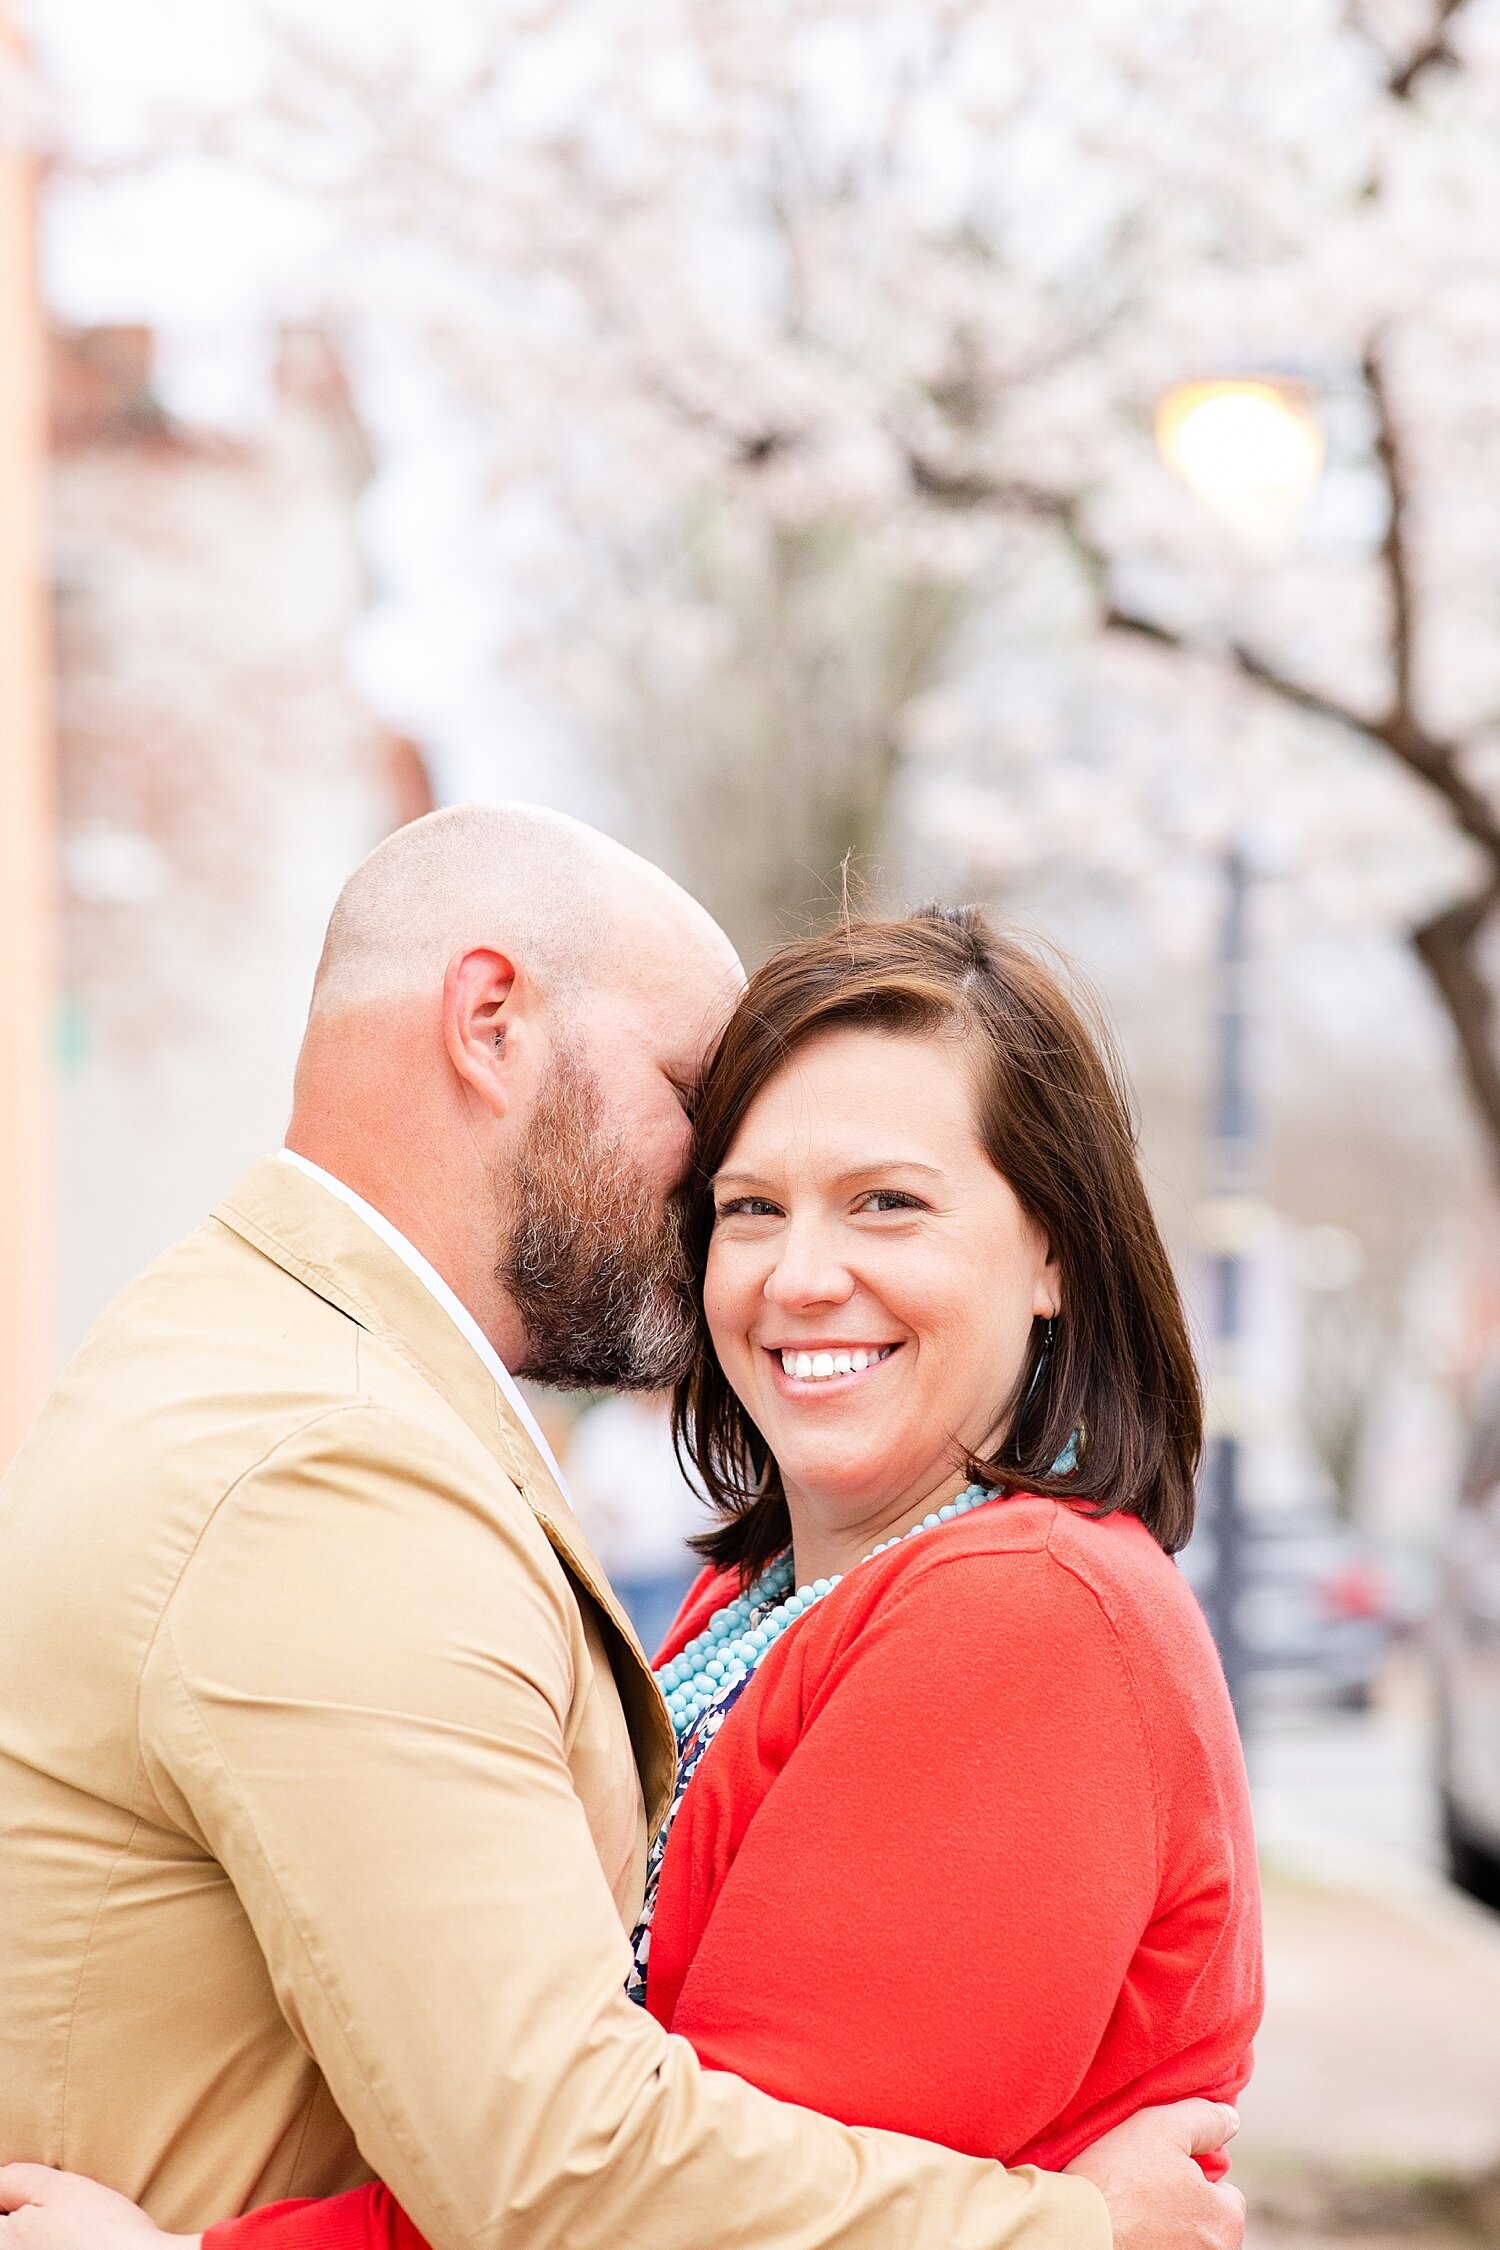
x: 971, y: 1858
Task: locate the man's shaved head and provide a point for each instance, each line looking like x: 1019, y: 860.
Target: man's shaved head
x: 507, y: 1023
x: 518, y: 877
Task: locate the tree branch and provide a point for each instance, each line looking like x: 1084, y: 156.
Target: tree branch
x: 1432, y: 759
x: 1432, y: 53
x: 975, y: 488
x: 1445, y: 947
x: 963, y: 488
x: 1395, y: 552
x: 1445, y: 944
x: 1403, y: 75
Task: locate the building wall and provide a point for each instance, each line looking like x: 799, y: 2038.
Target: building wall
x: 218, y: 780
x: 27, y: 1302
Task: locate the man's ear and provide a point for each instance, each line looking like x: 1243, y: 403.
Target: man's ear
x: 481, y: 1008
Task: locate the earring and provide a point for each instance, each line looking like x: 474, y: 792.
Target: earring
x: 1044, y: 1354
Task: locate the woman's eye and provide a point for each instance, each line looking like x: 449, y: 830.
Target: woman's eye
x: 891, y: 1199
x: 745, y: 1207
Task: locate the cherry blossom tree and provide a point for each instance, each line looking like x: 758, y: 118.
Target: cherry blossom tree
x: 815, y: 352
x: 803, y: 358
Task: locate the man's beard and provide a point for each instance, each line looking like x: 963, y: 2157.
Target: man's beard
x: 593, y: 1265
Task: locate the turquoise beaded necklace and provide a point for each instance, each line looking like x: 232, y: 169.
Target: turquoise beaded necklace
x: 730, y: 1645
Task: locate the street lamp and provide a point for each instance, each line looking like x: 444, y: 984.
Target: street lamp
x: 1250, y: 448
x: 1230, y: 1223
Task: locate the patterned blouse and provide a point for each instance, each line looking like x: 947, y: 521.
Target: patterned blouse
x: 773, y: 1589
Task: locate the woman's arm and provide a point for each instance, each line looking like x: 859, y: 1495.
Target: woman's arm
x: 928, y: 1920
x: 366, y: 2218
x: 49, y: 2210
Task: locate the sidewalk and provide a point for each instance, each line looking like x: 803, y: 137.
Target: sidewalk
x: 1373, y: 2118
x: 1374, y: 2113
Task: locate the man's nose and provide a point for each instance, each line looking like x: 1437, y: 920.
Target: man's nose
x: 809, y: 1270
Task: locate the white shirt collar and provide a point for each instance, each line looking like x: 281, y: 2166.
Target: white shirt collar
x: 433, y: 1282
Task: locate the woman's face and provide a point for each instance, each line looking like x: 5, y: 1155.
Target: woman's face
x: 871, y: 1283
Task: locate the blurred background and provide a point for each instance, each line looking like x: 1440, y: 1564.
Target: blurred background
x: 1051, y: 455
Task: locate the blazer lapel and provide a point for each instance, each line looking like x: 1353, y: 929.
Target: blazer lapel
x: 328, y: 1247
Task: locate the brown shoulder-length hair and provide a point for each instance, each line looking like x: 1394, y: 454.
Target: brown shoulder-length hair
x: 1055, y: 1119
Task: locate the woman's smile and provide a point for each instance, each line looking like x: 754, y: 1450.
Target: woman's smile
x: 817, y: 1369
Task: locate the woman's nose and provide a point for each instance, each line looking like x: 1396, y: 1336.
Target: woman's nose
x: 809, y: 1271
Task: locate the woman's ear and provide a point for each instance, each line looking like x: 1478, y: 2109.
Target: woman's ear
x: 481, y: 1007
x: 1046, y: 1298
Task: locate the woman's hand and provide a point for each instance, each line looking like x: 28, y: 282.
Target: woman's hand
x: 45, y: 2210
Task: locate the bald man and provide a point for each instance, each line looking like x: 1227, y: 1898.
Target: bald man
x: 327, y: 1758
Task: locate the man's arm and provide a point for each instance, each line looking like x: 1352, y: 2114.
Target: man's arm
x: 359, y: 1699
x: 1156, y: 2193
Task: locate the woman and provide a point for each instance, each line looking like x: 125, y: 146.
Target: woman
x: 961, y: 1844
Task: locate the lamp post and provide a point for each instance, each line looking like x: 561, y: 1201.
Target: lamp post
x: 1250, y: 449
x: 1232, y: 1218
x: 26, y: 820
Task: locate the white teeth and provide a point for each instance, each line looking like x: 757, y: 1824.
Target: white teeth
x: 817, y: 1367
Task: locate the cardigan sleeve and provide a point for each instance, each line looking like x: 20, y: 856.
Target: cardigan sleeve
x: 364, y: 2218
x: 928, y: 1920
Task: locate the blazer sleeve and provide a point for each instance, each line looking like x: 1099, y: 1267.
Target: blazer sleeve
x: 928, y: 1921
x: 358, y: 1702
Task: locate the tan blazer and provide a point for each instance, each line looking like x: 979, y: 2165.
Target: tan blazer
x: 325, y: 1764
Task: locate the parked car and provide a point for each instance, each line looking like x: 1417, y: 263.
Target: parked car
x: 1466, y: 1648
x: 1316, y: 1613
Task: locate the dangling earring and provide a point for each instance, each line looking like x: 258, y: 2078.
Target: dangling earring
x: 1040, y: 1369
x: 1067, y: 1460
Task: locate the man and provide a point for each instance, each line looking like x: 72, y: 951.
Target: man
x: 326, y: 1755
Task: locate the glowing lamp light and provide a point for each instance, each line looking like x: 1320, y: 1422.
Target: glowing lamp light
x: 1249, y: 448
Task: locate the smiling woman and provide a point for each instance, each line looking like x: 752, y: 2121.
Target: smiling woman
x: 961, y: 1842
x: 912, y: 1146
